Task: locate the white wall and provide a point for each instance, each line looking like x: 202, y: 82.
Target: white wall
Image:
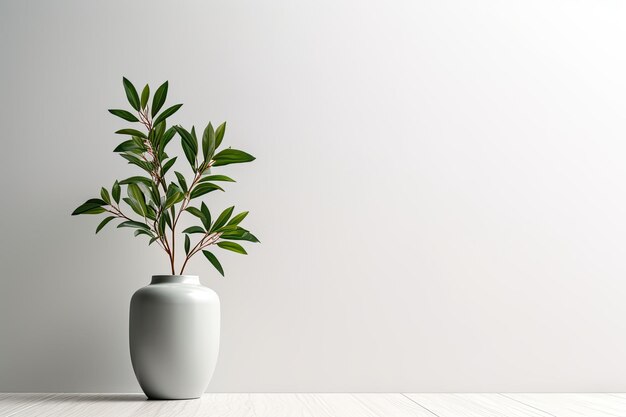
x: 440, y: 190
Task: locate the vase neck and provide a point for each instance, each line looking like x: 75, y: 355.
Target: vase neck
x: 175, y: 279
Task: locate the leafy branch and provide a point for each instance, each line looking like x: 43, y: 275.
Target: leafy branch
x: 158, y: 203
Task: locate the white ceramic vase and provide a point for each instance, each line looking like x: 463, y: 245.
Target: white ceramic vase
x: 174, y: 336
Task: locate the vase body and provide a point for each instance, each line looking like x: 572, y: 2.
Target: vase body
x: 174, y: 336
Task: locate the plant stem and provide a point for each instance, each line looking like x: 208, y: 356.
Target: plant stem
x: 213, y: 237
x: 173, y: 246
x: 158, y: 179
x: 183, y: 206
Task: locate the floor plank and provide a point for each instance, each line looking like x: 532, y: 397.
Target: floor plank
x: 136, y: 405
x: 575, y: 405
x: 317, y: 405
x: 229, y: 405
x: 397, y: 405
x: 361, y: 405
x: 475, y: 405
x: 12, y: 403
x: 86, y: 405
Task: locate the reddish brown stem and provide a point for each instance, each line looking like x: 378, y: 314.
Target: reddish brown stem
x: 213, y: 237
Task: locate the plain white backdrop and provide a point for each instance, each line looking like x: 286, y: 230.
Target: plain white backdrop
x: 439, y: 190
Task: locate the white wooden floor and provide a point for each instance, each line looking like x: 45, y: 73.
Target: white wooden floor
x: 318, y: 405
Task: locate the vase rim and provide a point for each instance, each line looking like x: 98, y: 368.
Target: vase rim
x: 175, y: 279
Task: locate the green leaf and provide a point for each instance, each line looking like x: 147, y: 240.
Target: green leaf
x: 208, y: 142
x: 190, y: 145
x: 203, y: 215
x: 104, y: 223
x: 226, y: 229
x: 146, y: 166
x: 216, y: 178
x: 238, y: 218
x: 161, y: 223
x: 194, y: 229
x: 129, y: 146
x: 214, y: 261
x: 143, y: 232
x: 187, y: 244
x: 232, y: 156
x: 239, y: 234
x: 132, y: 132
x: 116, y: 192
x: 159, y: 98
x: 195, y: 211
x: 204, y: 188
x: 168, y: 165
x: 91, y: 206
x: 104, y: 193
x: 151, y: 213
x: 223, y: 218
x: 132, y: 223
x: 134, y: 205
x: 95, y: 210
x: 174, y: 195
x: 131, y: 94
x: 167, y: 137
x: 145, y: 95
x: 155, y: 196
x: 172, y: 199
x: 232, y: 246
x: 204, y: 168
x: 126, y: 115
x: 206, y: 216
x: 166, y: 113
x: 135, y: 193
x: 219, y: 134
x: 181, y: 181
x: 137, y: 180
x: 156, y: 135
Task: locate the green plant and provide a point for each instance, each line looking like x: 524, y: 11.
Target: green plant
x: 157, y: 203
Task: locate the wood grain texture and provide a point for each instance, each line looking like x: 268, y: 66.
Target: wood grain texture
x: 221, y: 405
x: 357, y: 405
x: 317, y: 405
x: 575, y: 405
x: 474, y: 405
x: 397, y: 404
x: 87, y: 405
x: 11, y: 403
